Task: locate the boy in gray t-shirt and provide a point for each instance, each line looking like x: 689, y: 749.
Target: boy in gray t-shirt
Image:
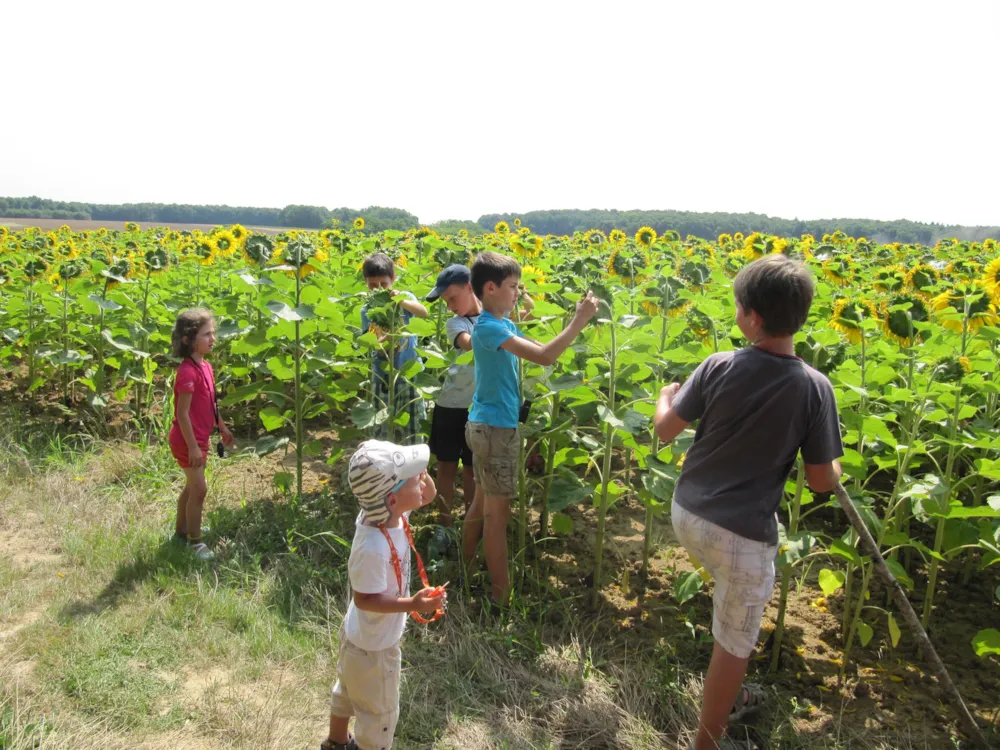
x: 451, y: 410
x: 756, y: 409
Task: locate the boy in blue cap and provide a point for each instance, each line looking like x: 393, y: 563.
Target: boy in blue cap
x: 451, y: 410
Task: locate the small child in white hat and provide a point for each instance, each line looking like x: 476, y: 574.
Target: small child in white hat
x: 389, y: 481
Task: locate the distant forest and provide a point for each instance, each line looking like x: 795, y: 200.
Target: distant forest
x: 558, y: 222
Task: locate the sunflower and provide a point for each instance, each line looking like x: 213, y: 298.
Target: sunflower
x: 848, y: 315
x: 205, y: 250
x: 70, y: 270
x: 889, y: 279
x: 972, y: 302
x: 646, y: 236
x: 922, y: 278
x: 695, y: 272
x: 119, y: 271
x: 989, y: 245
x: 131, y: 226
x: 962, y: 269
x: 724, y: 239
x: 991, y: 280
x: 839, y: 237
x: 463, y: 233
x: 671, y: 235
x: 67, y: 251
x: 517, y: 222
x: 629, y: 267
x: 534, y: 276
x: 102, y: 232
x: 502, y: 228
x: 841, y: 271
x: 423, y: 232
x: 594, y: 237
x: 753, y: 246
x: 617, y: 237
x: 156, y: 260
x: 662, y: 297
x: 35, y: 267
x: 225, y: 243
x: 239, y: 232
x: 359, y: 223
x: 700, y: 325
x: 738, y: 238
x: 733, y: 262
x: 4, y: 231
x: 898, y: 324
x: 951, y: 369
x: 328, y: 236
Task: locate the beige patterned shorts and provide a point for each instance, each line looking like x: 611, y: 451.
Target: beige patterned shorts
x: 368, y: 688
x: 495, y: 453
x: 743, y: 570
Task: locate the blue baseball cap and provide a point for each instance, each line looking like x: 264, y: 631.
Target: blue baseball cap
x: 454, y: 274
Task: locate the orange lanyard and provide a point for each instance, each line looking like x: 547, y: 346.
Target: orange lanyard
x: 397, y: 566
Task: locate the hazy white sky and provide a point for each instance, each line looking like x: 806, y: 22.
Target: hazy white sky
x: 454, y: 109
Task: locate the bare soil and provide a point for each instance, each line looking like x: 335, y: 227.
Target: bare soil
x: 81, y: 225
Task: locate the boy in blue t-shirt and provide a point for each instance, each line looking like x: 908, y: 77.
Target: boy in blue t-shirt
x: 379, y: 273
x: 757, y: 409
x: 492, y: 428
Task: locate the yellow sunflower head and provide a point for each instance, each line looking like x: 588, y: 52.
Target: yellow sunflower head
x: 991, y: 280
x: 594, y: 237
x: 962, y: 269
x: 131, y: 226
x: 841, y: 271
x: 225, y: 243
x: 359, y: 223
x: 502, y: 228
x: 617, y: 237
x: 628, y: 266
x: 922, y: 278
x: 848, y: 316
x: 971, y: 302
x: 645, y: 236
x: 738, y: 238
x: 989, y: 245
x: 463, y: 233
x: 517, y: 222
x: 205, y: 250
x: 899, y: 313
x: 239, y: 232
x: 724, y: 239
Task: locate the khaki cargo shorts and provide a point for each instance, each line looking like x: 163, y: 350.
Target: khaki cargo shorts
x: 495, y: 453
x: 368, y: 688
x: 743, y: 570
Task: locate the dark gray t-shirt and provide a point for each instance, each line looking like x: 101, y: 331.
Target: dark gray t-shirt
x: 756, y: 411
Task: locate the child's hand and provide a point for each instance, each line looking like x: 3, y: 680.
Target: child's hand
x: 195, y: 457
x: 429, y: 599
x: 669, y: 391
x: 587, y: 307
x: 227, y: 436
x: 428, y: 490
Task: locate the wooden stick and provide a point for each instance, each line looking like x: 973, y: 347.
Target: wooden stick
x: 906, y: 609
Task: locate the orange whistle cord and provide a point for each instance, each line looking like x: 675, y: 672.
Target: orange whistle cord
x: 398, y: 567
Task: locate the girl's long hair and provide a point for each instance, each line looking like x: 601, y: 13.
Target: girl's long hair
x: 186, y: 330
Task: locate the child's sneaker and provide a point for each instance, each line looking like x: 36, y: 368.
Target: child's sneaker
x: 201, y: 551
x: 331, y: 745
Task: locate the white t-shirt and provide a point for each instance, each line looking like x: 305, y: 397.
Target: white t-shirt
x: 370, y: 571
x: 460, y: 381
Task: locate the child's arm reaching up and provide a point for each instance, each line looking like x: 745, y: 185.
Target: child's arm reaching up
x: 413, y: 307
x: 547, y: 354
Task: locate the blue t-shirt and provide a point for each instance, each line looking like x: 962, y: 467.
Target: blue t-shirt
x: 407, y: 347
x: 498, y: 390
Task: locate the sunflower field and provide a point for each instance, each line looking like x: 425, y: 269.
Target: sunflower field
x: 908, y: 335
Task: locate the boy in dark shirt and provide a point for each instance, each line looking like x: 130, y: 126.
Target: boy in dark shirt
x: 757, y: 409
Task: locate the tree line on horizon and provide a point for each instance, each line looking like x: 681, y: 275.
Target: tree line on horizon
x: 707, y: 225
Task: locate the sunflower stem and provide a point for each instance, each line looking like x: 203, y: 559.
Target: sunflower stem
x: 609, y: 435
x: 794, y: 512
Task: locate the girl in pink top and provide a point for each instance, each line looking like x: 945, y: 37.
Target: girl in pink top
x: 196, y: 415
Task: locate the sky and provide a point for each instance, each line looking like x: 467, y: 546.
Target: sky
x: 809, y: 110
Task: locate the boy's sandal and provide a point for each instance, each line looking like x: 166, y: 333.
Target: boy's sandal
x: 331, y: 745
x: 751, y: 699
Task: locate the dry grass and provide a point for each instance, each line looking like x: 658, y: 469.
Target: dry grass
x: 237, y: 657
